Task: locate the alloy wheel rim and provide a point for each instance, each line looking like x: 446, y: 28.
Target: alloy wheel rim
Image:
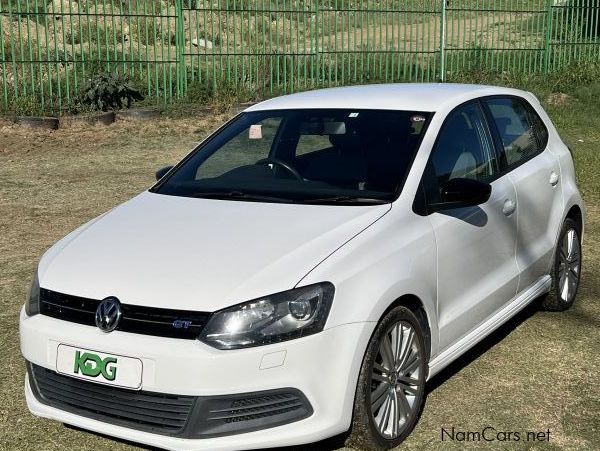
x: 569, y: 269
x: 396, y: 380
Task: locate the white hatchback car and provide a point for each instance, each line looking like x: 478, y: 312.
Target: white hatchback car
x: 306, y: 269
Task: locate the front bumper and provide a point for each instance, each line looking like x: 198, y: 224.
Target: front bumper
x: 324, y: 367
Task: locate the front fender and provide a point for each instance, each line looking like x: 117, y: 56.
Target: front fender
x: 394, y: 257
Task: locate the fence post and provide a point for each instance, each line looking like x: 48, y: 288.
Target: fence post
x: 548, y: 35
x: 180, y: 69
x: 318, y: 51
x: 443, y: 42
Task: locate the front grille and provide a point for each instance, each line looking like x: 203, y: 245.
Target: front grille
x: 175, y: 415
x: 135, y: 319
x: 152, y: 412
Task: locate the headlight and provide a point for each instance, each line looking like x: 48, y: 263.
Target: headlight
x: 271, y: 319
x: 32, y: 303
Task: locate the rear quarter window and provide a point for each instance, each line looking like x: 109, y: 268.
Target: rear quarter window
x: 539, y: 128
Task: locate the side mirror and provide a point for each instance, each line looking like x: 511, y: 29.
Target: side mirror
x: 459, y: 193
x: 162, y: 172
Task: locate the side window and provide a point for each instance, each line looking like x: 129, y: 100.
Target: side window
x: 464, y: 149
x: 514, y: 124
x: 539, y: 128
x: 246, y: 148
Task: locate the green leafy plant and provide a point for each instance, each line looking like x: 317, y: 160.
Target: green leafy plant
x: 26, y: 105
x: 108, y: 90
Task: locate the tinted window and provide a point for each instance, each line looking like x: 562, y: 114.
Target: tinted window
x: 539, y: 128
x: 329, y: 155
x: 514, y: 124
x: 463, y: 150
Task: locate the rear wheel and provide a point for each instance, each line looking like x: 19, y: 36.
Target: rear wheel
x: 391, y: 385
x: 566, y: 271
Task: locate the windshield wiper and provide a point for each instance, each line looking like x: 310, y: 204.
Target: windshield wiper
x: 346, y: 199
x: 243, y: 196
x: 240, y: 195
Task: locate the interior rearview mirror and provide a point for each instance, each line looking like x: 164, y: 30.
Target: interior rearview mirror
x: 323, y: 127
x: 162, y: 172
x: 461, y: 192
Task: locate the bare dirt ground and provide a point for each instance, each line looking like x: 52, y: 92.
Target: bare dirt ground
x: 418, y: 33
x: 540, y: 371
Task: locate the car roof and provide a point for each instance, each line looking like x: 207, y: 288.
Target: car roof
x: 425, y: 97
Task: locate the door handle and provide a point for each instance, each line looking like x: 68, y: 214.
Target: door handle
x: 553, y: 178
x: 509, y: 207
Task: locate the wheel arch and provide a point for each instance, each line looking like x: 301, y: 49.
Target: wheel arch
x: 575, y: 210
x: 575, y: 213
x: 415, y: 305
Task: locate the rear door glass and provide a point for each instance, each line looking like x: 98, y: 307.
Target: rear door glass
x: 514, y: 125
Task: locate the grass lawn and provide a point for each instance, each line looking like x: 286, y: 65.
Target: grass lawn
x: 540, y: 371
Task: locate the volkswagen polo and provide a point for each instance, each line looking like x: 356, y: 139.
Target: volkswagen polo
x: 306, y: 269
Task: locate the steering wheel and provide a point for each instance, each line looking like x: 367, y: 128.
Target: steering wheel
x: 283, y: 164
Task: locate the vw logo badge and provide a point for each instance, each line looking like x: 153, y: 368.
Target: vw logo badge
x: 108, y: 314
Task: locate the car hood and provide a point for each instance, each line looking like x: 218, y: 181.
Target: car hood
x: 199, y: 254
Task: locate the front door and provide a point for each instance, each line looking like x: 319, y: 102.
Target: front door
x: 476, y: 266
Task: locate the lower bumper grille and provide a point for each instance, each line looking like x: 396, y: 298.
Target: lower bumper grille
x: 174, y: 415
x: 153, y: 412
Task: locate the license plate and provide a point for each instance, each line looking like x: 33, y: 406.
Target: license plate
x: 99, y: 367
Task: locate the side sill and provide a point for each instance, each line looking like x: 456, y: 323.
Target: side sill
x: 476, y: 335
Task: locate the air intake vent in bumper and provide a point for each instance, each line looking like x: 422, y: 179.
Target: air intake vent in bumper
x: 234, y: 414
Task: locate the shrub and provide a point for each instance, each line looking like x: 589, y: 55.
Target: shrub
x: 25, y: 105
x: 108, y: 91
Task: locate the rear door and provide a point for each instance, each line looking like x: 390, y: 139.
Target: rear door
x: 477, y: 271
x: 535, y: 172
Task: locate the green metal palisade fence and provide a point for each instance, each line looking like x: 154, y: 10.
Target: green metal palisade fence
x: 48, y: 48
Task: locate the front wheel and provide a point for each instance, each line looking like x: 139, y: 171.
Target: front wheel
x: 566, y: 270
x: 391, y: 385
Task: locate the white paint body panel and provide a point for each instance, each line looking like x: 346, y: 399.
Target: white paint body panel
x: 540, y: 207
x: 323, y: 366
x: 471, y: 288
x: 199, y: 254
x: 412, y: 97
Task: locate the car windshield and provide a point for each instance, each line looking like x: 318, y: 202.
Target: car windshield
x: 303, y: 156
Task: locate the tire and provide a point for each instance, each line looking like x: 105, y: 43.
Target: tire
x: 404, y: 388
x: 566, y: 269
